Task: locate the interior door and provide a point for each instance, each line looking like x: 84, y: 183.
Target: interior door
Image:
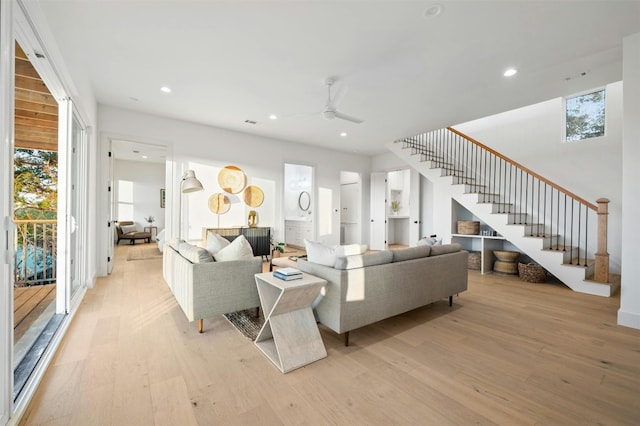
x: 378, y: 231
x: 414, y: 208
x: 112, y: 209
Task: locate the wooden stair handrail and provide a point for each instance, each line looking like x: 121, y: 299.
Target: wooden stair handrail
x: 532, y: 173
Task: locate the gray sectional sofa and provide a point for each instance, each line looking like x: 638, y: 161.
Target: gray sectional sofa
x: 204, y: 288
x: 363, y: 289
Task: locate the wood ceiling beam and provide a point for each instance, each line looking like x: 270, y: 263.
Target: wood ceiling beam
x: 30, y: 144
x: 28, y: 95
x: 36, y: 107
x: 36, y: 115
x: 36, y: 110
x: 24, y: 132
x: 33, y: 122
x: 31, y: 84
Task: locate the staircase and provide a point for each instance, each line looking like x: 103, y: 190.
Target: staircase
x: 557, y: 229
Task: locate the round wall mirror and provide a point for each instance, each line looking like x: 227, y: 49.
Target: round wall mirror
x: 304, y: 201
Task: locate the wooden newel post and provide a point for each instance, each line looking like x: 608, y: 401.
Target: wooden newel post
x: 602, y: 257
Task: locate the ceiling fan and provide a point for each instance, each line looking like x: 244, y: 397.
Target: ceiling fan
x: 330, y: 110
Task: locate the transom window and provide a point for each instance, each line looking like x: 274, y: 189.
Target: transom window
x: 585, y: 116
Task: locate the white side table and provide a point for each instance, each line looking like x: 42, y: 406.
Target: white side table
x: 289, y: 336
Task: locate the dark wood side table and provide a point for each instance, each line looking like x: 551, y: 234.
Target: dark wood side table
x: 153, y: 230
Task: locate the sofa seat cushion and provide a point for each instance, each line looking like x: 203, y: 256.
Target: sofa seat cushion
x: 445, y: 249
x: 194, y: 254
x: 411, y: 253
x: 363, y: 260
x: 238, y: 249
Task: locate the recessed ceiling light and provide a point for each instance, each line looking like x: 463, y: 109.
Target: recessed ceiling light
x: 343, y: 134
x: 165, y: 89
x: 145, y: 157
x: 134, y: 99
x: 273, y: 117
x: 510, y: 72
x: 433, y: 10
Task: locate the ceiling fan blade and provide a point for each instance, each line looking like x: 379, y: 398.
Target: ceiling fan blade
x: 343, y: 116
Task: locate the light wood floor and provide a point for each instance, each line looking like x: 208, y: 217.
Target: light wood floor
x: 507, y: 353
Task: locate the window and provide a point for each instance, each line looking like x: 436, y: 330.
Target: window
x: 585, y: 116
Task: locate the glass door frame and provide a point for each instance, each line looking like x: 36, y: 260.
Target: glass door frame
x: 7, y: 53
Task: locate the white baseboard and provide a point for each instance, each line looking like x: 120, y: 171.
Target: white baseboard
x: 629, y: 319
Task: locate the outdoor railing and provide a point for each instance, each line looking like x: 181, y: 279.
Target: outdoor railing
x: 35, y: 250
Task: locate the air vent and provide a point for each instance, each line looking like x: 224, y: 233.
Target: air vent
x: 250, y: 122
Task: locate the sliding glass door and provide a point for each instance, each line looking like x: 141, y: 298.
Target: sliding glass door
x: 6, y: 194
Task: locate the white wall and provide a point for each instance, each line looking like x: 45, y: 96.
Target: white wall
x: 144, y: 181
x: 203, y: 147
x: 629, y: 313
x: 592, y: 169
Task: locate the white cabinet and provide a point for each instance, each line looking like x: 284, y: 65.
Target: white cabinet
x: 296, y: 231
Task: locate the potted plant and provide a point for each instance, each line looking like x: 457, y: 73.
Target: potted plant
x: 395, y: 206
x: 278, y: 249
x: 150, y: 219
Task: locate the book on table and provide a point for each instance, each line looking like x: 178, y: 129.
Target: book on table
x: 288, y: 271
x: 287, y: 277
x: 287, y: 274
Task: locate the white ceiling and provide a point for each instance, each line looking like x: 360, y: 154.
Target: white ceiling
x: 229, y: 61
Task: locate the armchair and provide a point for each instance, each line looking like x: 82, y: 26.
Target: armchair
x: 131, y: 235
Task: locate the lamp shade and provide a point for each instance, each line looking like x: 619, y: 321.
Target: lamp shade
x: 190, y: 183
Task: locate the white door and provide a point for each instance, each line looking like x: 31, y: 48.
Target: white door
x: 378, y: 230
x: 6, y: 211
x: 414, y: 208
x: 111, y: 202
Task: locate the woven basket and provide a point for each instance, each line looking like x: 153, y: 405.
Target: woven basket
x: 468, y: 227
x: 508, y: 268
x: 473, y: 261
x: 532, y: 272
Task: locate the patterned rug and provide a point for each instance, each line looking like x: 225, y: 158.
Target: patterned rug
x: 246, y: 322
x: 143, y: 252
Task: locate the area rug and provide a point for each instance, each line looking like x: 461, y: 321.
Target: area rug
x: 144, y: 252
x: 245, y: 322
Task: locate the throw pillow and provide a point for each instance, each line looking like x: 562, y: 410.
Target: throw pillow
x: 128, y: 228
x: 351, y: 249
x: 215, y: 242
x: 319, y: 253
x: 194, y: 254
x: 236, y: 250
x: 430, y: 241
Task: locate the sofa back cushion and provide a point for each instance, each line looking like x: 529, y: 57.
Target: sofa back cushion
x: 411, y: 253
x: 194, y: 254
x: 238, y: 249
x: 327, y: 255
x: 362, y: 260
x: 444, y: 249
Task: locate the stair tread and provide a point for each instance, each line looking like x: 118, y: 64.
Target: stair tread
x: 590, y: 262
x: 559, y: 248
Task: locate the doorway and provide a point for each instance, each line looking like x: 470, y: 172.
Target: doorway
x: 350, y: 208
